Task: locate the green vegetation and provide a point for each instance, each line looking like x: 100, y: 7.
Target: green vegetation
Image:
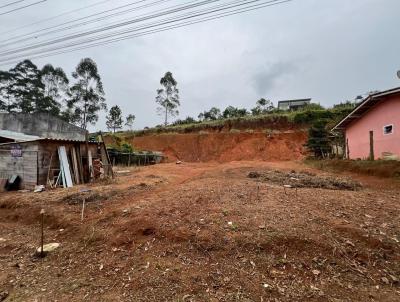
x: 27, y: 89
x: 274, y: 119
x: 114, y: 118
x: 381, y: 168
x: 168, y: 97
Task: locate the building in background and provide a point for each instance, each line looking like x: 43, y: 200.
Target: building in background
x: 372, y: 129
x: 293, y: 104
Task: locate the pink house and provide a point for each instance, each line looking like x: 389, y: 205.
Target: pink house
x: 372, y: 129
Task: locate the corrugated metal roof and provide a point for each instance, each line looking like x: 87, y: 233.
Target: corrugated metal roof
x: 18, y: 136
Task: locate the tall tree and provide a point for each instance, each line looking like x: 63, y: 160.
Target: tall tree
x: 129, y: 121
x: 168, y: 97
x: 55, y: 83
x: 27, y: 90
x: 114, y: 118
x: 6, y: 98
x: 87, y: 94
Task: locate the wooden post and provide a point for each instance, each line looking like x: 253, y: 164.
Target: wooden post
x: 42, y: 233
x: 347, y: 148
x: 371, y: 145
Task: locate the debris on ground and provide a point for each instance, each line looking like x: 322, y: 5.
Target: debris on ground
x: 47, y: 248
x: 39, y: 188
x: 305, y: 180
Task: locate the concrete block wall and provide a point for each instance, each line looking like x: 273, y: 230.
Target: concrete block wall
x: 40, y: 124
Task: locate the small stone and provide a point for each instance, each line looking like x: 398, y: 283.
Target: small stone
x: 385, y: 280
x: 47, y: 248
x: 2, y: 239
x: 316, y: 272
x: 394, y: 279
x: 3, y: 295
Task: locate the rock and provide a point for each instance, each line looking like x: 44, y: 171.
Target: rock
x: 316, y: 272
x: 348, y: 242
x: 253, y: 175
x: 266, y: 285
x: 385, y: 280
x: 39, y: 188
x: 2, y: 239
x: 394, y: 279
x: 47, y: 248
x: 3, y: 295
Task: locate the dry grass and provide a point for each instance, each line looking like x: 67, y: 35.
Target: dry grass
x: 381, y: 168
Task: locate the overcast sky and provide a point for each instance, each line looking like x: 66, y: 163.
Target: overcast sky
x: 328, y: 50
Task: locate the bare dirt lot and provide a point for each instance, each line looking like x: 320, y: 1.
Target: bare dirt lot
x: 204, y: 232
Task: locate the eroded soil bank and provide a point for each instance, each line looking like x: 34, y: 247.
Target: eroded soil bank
x: 226, y: 146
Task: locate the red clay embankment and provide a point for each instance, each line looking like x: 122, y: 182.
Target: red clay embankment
x: 226, y: 146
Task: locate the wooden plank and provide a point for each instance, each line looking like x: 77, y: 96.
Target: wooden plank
x: 75, y: 166
x: 80, y: 163
x: 64, y: 165
x: 90, y: 161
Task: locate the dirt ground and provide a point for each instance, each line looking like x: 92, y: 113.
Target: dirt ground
x: 204, y: 232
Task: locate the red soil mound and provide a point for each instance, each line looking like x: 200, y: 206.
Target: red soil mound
x: 226, y: 146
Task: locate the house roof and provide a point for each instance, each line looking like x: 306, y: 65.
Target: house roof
x: 369, y: 102
x: 18, y: 136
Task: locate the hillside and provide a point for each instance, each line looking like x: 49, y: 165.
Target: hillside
x: 278, y: 136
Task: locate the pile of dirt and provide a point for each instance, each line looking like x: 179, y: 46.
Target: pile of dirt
x: 306, y: 179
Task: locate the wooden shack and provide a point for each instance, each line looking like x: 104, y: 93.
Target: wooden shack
x: 31, y: 149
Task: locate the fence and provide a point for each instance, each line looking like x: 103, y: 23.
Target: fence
x: 134, y: 158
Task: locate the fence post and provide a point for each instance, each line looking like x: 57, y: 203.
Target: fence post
x: 371, y: 145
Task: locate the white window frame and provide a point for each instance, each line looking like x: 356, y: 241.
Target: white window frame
x: 388, y: 126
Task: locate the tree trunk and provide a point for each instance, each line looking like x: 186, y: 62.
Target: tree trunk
x: 166, y: 117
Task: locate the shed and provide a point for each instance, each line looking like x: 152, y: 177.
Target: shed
x: 371, y: 130
x: 30, y: 147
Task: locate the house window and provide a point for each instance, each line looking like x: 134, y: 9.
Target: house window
x: 388, y: 129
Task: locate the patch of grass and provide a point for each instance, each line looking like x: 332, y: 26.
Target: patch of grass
x: 380, y: 168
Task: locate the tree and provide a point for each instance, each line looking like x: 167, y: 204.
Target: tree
x: 168, y: 97
x: 6, y: 99
x: 231, y: 112
x: 211, y: 115
x: 263, y: 106
x: 27, y: 90
x: 55, y: 83
x: 129, y: 121
x: 319, y: 141
x: 87, y: 94
x: 114, y: 118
